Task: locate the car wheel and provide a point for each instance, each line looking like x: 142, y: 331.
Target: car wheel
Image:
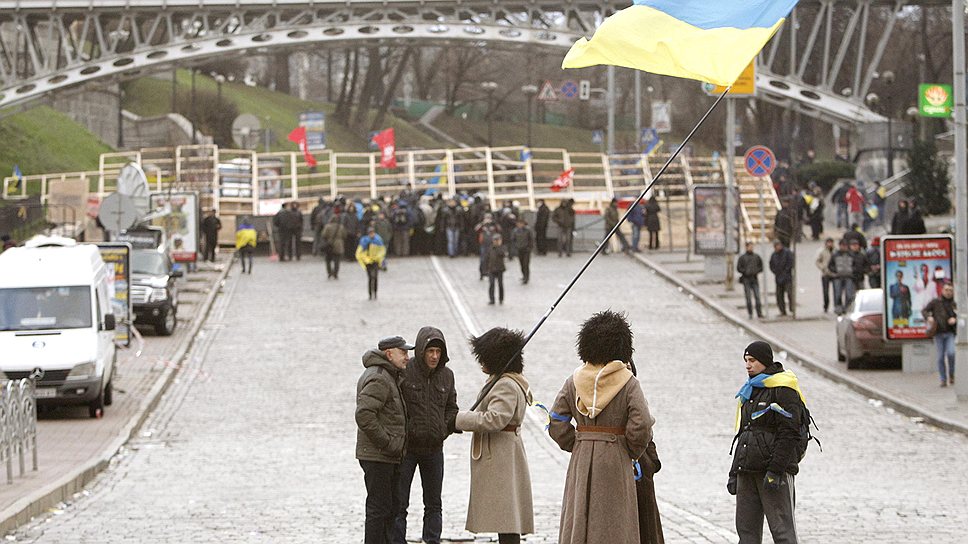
x: 840, y: 351
x: 96, y: 408
x: 853, y: 361
x: 167, y: 325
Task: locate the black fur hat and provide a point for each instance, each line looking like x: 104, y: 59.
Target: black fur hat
x: 605, y: 337
x: 496, y: 347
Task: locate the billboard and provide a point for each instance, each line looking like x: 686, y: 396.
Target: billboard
x: 913, y: 270
x: 709, y: 218
x: 117, y: 257
x: 179, y: 216
x: 315, y: 124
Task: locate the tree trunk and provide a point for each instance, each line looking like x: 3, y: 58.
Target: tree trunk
x: 374, y: 72
x: 391, y: 89
x: 280, y: 72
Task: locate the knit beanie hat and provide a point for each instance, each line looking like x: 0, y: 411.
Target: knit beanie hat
x: 761, y: 351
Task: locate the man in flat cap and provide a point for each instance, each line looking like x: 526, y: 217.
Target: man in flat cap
x: 381, y: 421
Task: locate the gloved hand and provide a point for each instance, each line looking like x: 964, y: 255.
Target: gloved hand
x: 772, y: 481
x: 731, y: 485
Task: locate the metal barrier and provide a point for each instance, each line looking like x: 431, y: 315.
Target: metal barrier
x: 18, y: 424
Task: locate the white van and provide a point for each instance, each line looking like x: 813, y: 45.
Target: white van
x: 55, y: 321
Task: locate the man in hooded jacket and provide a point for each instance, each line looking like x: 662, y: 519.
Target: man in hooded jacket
x: 767, y: 446
x: 431, y: 399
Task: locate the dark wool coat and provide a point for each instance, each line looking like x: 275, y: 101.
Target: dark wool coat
x: 650, y: 525
x: 652, y: 215
x: 600, y: 504
x: 430, y: 396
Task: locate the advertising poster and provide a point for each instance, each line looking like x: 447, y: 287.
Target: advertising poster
x: 914, y: 270
x: 315, y: 124
x: 709, y: 213
x: 117, y: 257
x: 180, y: 219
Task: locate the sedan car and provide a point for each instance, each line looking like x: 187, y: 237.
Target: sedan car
x: 860, y: 331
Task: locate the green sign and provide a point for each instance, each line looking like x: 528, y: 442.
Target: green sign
x: 935, y: 100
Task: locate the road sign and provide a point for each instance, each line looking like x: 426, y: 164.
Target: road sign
x: 745, y: 84
x: 935, y: 100
x: 598, y: 136
x: 547, y: 92
x: 584, y: 89
x: 662, y: 117
x: 569, y: 90
x: 759, y: 161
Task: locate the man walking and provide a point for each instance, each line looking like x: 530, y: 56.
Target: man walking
x: 431, y: 400
x: 859, y: 266
x: 332, y: 238
x: 381, y: 434
x: 611, y: 219
x: 541, y: 227
x: 855, y: 205
x: 841, y: 268
x: 822, y: 261
x: 486, y: 230
x: 768, y: 448
x: 564, y: 217
x: 522, y: 240
x: 494, y: 262
x: 942, y: 313
x: 749, y: 267
x: 781, y: 264
x: 294, y: 228
x: 452, y: 218
x: 210, y: 227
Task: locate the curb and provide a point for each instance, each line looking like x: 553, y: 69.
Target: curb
x: 38, y: 502
x: 807, y: 360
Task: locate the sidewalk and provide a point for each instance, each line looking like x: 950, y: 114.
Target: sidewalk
x: 811, y: 338
x: 72, y: 448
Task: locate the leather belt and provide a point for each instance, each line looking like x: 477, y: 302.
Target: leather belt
x: 512, y: 429
x: 619, y: 431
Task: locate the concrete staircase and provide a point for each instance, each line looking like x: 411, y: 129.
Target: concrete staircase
x: 759, y: 203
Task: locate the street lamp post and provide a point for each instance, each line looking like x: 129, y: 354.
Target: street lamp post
x: 529, y: 91
x: 889, y: 81
x: 489, y: 87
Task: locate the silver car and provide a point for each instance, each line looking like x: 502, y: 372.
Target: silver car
x: 860, y: 331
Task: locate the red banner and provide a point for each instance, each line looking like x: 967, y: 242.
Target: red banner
x: 298, y: 137
x: 564, y: 180
x: 387, y: 142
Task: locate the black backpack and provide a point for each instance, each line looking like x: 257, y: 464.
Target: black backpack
x: 806, y: 435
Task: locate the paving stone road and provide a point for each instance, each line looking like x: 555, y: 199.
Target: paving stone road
x: 255, y: 441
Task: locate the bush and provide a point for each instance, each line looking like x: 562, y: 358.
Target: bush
x: 928, y: 181
x: 825, y: 173
x: 212, y: 117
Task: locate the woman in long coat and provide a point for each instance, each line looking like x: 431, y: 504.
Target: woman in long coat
x: 652, y: 222
x: 614, y: 427
x: 500, y: 499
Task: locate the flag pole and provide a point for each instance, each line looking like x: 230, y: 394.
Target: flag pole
x: 602, y: 245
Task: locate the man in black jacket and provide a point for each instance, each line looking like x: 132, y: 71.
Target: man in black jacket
x: 768, y: 448
x: 749, y: 267
x: 210, y: 227
x: 541, y: 227
x: 431, y: 399
x: 781, y: 264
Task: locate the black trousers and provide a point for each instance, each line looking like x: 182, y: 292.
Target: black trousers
x: 382, y: 500
x: 372, y: 273
x: 210, y: 243
x: 524, y: 258
x: 653, y: 239
x: 784, y: 292
x: 754, y: 502
x: 499, y: 278
x: 285, y: 244
x: 541, y: 241
x: 332, y: 263
x: 825, y: 282
x: 245, y: 253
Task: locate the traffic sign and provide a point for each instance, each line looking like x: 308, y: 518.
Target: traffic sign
x: 547, y: 92
x: 745, y: 84
x: 584, y: 89
x: 759, y: 161
x: 569, y: 90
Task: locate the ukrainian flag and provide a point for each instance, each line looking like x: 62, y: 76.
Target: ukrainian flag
x: 708, y: 40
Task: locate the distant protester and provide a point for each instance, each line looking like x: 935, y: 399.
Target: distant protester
x: 370, y: 253
x: 245, y: 242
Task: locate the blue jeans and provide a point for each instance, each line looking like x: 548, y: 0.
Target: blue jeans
x: 842, y: 215
x: 431, y: 481
x: 636, y: 235
x: 944, y: 345
x: 751, y: 288
x: 843, y: 294
x: 453, y: 241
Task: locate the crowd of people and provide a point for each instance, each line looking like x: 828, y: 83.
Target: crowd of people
x: 407, y: 407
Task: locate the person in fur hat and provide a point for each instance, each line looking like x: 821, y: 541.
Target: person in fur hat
x: 613, y: 430
x: 500, y: 497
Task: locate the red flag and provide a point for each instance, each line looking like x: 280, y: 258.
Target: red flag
x: 564, y: 180
x: 387, y: 143
x: 298, y: 137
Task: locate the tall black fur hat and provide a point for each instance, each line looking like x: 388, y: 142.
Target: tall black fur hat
x: 496, y: 347
x: 605, y: 337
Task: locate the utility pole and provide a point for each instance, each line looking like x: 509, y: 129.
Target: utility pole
x: 730, y: 186
x: 638, y: 109
x: 610, y: 104
x: 961, y: 182
x: 194, y: 134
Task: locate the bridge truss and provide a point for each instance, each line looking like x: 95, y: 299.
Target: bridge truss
x: 51, y: 45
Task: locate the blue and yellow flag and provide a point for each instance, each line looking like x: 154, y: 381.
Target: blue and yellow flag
x: 711, y: 41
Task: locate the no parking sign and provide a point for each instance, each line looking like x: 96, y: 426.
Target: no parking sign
x: 759, y: 161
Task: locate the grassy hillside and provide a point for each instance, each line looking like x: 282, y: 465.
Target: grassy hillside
x: 474, y: 133
x: 42, y: 140
x: 150, y: 97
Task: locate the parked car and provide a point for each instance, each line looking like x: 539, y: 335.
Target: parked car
x: 860, y: 331
x: 154, y: 293
x: 56, y: 325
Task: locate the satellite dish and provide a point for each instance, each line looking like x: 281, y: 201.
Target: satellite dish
x: 118, y: 212
x: 133, y: 182
x: 245, y: 131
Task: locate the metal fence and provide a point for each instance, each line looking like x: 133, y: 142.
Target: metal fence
x: 18, y: 425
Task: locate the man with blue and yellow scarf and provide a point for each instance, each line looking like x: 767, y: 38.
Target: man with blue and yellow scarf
x: 767, y: 448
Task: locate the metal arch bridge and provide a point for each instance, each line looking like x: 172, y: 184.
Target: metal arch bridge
x: 50, y: 45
